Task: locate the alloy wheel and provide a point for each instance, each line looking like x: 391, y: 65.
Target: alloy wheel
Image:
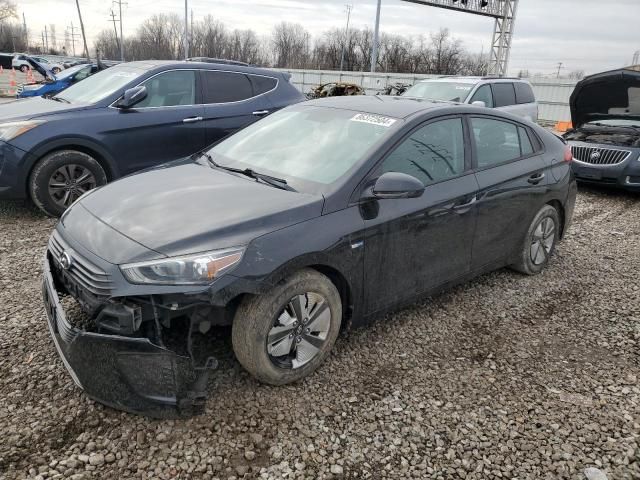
x: 69, y: 182
x: 299, y: 331
x: 542, y: 241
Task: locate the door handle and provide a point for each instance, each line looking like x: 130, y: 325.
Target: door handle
x: 260, y: 113
x: 536, y: 179
x: 466, y: 206
x: 192, y: 120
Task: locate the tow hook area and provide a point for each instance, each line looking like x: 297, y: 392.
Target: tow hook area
x: 196, y: 399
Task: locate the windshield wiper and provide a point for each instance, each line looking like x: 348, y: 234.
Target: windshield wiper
x: 59, y: 99
x: 268, y: 179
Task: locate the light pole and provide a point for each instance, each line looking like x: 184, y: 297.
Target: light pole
x: 376, y: 39
x: 186, y: 29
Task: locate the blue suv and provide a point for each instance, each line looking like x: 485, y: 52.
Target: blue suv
x: 124, y: 119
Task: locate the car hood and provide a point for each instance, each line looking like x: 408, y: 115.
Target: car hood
x: 188, y: 208
x: 40, y: 68
x: 25, y: 109
x: 608, y: 95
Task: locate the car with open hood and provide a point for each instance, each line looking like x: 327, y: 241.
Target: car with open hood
x: 55, y: 83
x: 24, y: 62
x: 605, y: 138
x: 127, y: 118
x: 322, y: 215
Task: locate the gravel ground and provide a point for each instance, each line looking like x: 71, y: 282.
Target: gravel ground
x: 504, y: 377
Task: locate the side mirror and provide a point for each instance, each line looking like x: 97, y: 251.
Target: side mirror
x: 132, y: 96
x: 397, y: 185
x: 479, y: 103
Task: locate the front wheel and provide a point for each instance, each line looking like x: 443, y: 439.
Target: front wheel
x: 55, y: 70
x: 284, y: 335
x: 61, y: 177
x: 24, y: 69
x: 540, y: 242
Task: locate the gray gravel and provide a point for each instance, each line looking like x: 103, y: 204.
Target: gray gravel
x: 504, y: 377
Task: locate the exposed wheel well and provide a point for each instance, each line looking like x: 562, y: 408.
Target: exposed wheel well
x: 559, y: 208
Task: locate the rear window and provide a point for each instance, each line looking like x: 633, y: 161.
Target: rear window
x: 262, y: 84
x: 503, y: 94
x: 225, y: 87
x: 524, y: 93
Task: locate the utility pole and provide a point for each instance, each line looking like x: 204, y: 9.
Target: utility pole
x: 73, y: 39
x: 346, y: 37
x: 25, y: 32
x: 46, y: 40
x: 43, y: 48
x: 119, y: 3
x: 186, y: 29
x: 376, y: 39
x: 115, y: 30
x: 84, y: 37
x: 560, y: 64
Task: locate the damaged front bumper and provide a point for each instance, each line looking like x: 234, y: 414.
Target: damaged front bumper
x: 132, y: 374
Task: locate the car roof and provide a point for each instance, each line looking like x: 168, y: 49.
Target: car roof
x: 472, y: 80
x: 160, y: 65
x: 390, y: 106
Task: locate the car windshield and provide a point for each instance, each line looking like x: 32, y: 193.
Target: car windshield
x: 308, y: 143
x: 70, y: 72
x: 617, y: 122
x: 101, y: 85
x: 443, y: 91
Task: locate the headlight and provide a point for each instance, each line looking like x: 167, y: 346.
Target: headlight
x: 197, y: 269
x: 11, y: 130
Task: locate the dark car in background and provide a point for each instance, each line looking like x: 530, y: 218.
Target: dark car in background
x: 325, y: 213
x: 605, y: 139
x: 57, y: 82
x: 127, y: 118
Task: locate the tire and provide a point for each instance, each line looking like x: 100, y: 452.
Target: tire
x: 61, y: 168
x: 258, y: 316
x: 24, y: 68
x: 532, y: 260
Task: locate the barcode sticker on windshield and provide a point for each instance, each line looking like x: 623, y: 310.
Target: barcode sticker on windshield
x: 374, y: 119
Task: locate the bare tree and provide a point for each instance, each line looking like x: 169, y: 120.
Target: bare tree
x: 290, y: 43
x: 576, y: 74
x: 8, y: 10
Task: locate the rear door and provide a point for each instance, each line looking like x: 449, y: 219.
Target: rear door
x: 413, y: 245
x: 512, y: 185
x: 166, y: 125
x: 232, y: 101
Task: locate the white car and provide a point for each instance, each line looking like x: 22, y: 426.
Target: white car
x: 513, y: 95
x: 20, y: 62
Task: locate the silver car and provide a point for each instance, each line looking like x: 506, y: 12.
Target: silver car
x: 512, y: 95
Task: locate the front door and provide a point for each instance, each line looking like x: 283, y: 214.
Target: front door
x: 415, y: 245
x: 166, y: 125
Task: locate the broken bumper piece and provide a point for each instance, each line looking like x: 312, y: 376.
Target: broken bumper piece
x: 130, y: 374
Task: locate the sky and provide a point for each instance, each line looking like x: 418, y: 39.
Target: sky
x: 589, y: 35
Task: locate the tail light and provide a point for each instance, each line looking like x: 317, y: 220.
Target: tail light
x: 568, y: 154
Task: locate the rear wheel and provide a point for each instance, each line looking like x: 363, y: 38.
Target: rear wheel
x: 24, y: 68
x: 284, y: 335
x: 61, y: 177
x: 540, y: 242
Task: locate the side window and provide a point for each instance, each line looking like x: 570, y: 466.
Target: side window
x: 496, y: 141
x: 82, y: 74
x: 262, y: 84
x: 432, y: 154
x: 504, y: 94
x: 524, y: 93
x: 225, y: 87
x: 525, y: 142
x: 170, y: 89
x: 483, y: 94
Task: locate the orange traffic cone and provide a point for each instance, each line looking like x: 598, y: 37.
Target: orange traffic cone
x: 12, y: 83
x: 1, y: 70
x: 30, y: 78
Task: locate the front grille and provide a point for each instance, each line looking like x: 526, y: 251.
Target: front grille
x: 599, y: 156
x: 82, y: 272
